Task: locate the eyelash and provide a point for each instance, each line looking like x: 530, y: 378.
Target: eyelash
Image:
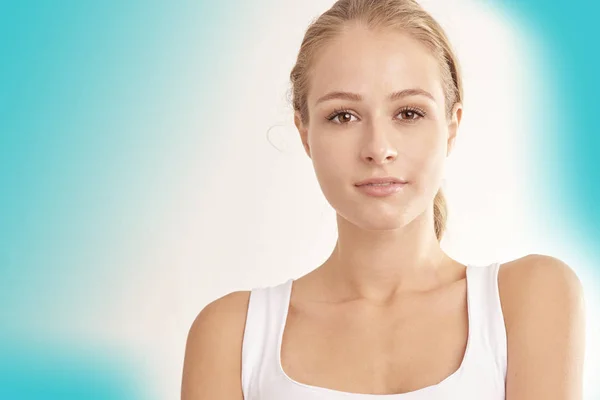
x: 340, y: 111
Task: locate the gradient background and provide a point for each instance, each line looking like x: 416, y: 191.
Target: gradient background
x: 149, y: 164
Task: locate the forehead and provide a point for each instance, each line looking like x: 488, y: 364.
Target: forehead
x: 374, y: 63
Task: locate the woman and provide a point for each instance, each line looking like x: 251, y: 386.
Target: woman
x: 377, y: 98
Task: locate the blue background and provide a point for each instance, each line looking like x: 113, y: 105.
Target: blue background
x: 88, y: 91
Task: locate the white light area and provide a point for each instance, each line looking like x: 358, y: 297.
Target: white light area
x: 248, y: 215
x: 263, y: 218
x: 274, y: 222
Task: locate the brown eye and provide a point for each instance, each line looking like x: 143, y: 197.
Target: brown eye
x: 341, y: 117
x: 344, y: 117
x: 410, y: 114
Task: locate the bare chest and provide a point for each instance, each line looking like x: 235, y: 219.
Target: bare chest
x: 382, y: 351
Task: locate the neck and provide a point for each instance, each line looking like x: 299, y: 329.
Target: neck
x: 378, y: 265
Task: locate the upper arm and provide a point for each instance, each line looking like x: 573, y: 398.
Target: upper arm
x: 543, y: 307
x: 212, y: 364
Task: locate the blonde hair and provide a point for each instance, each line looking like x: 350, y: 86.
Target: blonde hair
x: 404, y: 15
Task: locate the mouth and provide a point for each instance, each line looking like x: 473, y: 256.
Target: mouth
x: 383, y: 181
x: 381, y: 187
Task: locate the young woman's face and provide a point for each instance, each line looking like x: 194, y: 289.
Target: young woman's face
x: 376, y: 109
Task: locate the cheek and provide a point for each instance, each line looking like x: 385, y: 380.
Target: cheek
x: 331, y: 160
x: 426, y: 153
x: 334, y: 162
x: 427, y: 159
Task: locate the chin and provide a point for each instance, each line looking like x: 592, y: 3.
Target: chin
x: 377, y: 220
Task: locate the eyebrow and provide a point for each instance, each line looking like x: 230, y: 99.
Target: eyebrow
x: 357, y: 97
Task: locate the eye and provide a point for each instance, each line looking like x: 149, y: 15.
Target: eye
x: 411, y: 114
x: 341, y: 117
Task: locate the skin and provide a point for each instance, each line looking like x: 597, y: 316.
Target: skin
x: 387, y: 282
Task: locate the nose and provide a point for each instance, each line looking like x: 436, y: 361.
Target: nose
x: 377, y: 148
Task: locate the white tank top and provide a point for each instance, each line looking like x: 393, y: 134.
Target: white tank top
x: 481, y: 375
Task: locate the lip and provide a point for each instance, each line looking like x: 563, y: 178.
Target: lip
x: 395, y: 185
x: 386, y: 179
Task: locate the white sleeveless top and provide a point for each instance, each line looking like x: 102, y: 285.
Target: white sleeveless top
x: 481, y: 375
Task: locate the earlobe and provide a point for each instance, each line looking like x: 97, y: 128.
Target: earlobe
x: 303, y: 131
x: 453, y: 127
x: 457, y: 113
x: 450, y: 146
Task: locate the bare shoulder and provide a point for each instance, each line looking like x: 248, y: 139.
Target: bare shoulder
x: 224, y: 310
x: 541, y: 279
x: 212, y: 365
x: 543, y: 306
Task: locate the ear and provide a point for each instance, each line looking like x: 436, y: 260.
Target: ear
x: 453, y: 125
x: 303, y: 130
